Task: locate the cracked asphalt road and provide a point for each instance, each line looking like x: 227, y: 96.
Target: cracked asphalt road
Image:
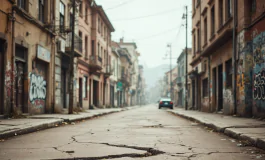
x: 143, y: 133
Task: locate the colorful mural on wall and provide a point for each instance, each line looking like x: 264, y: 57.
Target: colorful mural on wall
x: 259, y: 71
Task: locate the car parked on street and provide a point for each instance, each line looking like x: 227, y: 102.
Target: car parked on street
x: 165, y: 102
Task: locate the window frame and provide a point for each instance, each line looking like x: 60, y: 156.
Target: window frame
x: 229, y: 9
x: 62, y: 16
x: 221, y: 13
x: 41, y: 10
x: 22, y: 4
x: 81, y: 9
x: 205, y: 30
x: 213, y: 20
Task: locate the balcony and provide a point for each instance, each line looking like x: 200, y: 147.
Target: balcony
x: 77, y: 45
x: 94, y: 64
x: 126, y: 79
x: 179, y: 80
x: 108, y: 71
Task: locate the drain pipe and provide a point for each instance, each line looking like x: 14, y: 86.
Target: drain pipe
x: 234, y: 56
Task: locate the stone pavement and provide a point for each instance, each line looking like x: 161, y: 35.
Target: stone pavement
x: 14, y: 127
x: 248, y: 129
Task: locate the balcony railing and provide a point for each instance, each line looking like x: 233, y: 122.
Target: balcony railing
x: 94, y: 63
x: 179, y: 80
x: 77, y: 43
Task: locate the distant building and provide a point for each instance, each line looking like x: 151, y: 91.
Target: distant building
x: 181, y: 78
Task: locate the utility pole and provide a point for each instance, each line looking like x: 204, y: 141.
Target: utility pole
x: 186, y: 83
x: 71, y: 83
x: 170, y: 59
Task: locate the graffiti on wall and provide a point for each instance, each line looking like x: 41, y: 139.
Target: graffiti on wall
x: 259, y: 86
x: 37, y: 92
x: 228, y: 97
x: 258, y: 49
x: 258, y: 70
x: 9, y: 75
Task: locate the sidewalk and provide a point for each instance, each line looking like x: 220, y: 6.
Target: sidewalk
x: 14, y: 127
x: 251, y: 130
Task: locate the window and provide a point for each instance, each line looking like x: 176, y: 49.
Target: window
x: 194, y: 44
x: 85, y: 88
x: 198, y: 39
x: 62, y: 20
x: 229, y: 73
x: 253, y: 6
x: 21, y: 4
x: 221, y: 14
x: 80, y: 36
x: 93, y: 47
x: 205, y: 31
x: 213, y: 20
x: 102, y: 32
x: 86, y: 14
x: 71, y: 19
x: 86, y: 46
x: 99, y: 26
x: 229, y: 9
x: 101, y: 52
x: 205, y: 87
x: 41, y: 10
x: 98, y: 49
x: 81, y: 9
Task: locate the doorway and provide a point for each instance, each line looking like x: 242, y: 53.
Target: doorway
x: 112, y: 95
x: 80, y: 92
x: 214, y: 89
x: 64, y: 87
x: 220, y: 87
x: 193, y: 93
x: 180, y: 97
x: 19, y: 84
x: 1, y: 79
x: 95, y: 93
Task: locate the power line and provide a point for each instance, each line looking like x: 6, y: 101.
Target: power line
x: 158, y: 34
x: 152, y: 15
x: 124, y: 3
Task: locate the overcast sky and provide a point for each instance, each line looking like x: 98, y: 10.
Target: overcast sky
x: 152, y: 24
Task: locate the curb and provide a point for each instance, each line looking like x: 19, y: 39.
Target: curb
x: 257, y: 142
x: 55, y: 123
x: 30, y: 129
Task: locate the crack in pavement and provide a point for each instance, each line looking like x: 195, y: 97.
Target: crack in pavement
x: 149, y: 151
x: 196, y: 154
x: 68, y: 152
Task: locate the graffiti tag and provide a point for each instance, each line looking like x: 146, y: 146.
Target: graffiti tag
x: 37, y: 93
x: 228, y: 97
x: 9, y: 74
x: 259, y: 86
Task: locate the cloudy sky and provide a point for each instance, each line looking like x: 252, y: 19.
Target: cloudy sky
x: 152, y: 24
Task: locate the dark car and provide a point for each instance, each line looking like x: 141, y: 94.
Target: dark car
x: 165, y: 102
